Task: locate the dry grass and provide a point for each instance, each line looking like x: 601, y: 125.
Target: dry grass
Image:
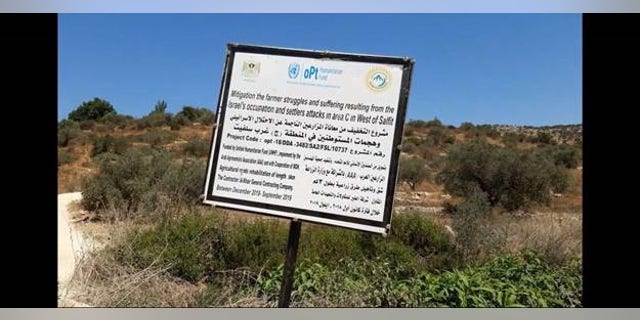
x: 556, y: 236
x: 418, y: 198
x: 101, y: 281
x: 234, y: 288
x: 571, y: 200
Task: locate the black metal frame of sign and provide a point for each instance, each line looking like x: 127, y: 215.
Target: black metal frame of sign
x: 381, y: 227
x: 296, y: 214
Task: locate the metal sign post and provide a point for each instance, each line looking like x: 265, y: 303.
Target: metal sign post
x: 289, y: 264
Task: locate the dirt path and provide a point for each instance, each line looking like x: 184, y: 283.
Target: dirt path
x: 72, y: 246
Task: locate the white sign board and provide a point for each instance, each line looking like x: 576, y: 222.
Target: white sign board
x: 309, y: 135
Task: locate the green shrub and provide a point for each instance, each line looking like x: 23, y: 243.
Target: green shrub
x: 510, y: 177
x: 506, y: 281
x: 563, y: 155
x: 429, y: 153
x: 92, y: 110
x: 409, y: 147
x: 434, y: 123
x: 126, y: 181
x: 543, y: 138
x: 179, y: 120
x: 262, y: 243
x: 156, y: 118
x: 153, y: 120
x: 424, y: 124
x: 111, y: 145
x: 201, y: 115
x: 328, y: 245
x: 470, y: 222
x: 208, y: 118
x: 466, y: 126
x: 426, y: 238
x: 482, y: 131
x: 117, y: 120
x: 256, y: 245
x: 181, y: 183
x: 157, y: 137
x: 197, y: 148
x: 559, y: 179
x: 412, y: 170
x: 198, y: 245
x: 429, y: 147
x: 192, y: 247
x: 392, y: 251
x: 439, y: 136
x: 409, y: 131
x: 67, y: 131
x: 160, y: 107
x: 416, y: 123
x: 143, y: 183
x: 487, y: 131
x: 87, y: 124
x: 190, y: 113
x: 142, y: 123
x: 65, y: 157
x: 511, y: 139
x: 407, y: 242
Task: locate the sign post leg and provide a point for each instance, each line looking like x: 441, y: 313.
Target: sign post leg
x: 289, y: 264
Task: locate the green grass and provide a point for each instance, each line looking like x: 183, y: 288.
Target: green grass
x: 201, y: 243
x: 506, y: 281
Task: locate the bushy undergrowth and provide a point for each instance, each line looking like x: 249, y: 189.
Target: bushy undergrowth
x: 512, y: 178
x: 157, y: 137
x: 413, y: 171
x: 141, y: 182
x: 67, y: 131
x: 109, y: 144
x: 506, y: 281
x: 241, y: 263
x: 470, y: 220
x: 194, y: 114
x: 196, y: 148
x: 65, y: 157
x: 199, y: 244
x: 423, y: 235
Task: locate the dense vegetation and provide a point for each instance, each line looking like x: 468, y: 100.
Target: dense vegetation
x: 505, y: 281
x: 145, y: 173
x: 142, y: 181
x: 510, y: 177
x: 95, y: 109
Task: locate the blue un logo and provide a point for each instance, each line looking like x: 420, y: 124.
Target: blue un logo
x: 294, y: 70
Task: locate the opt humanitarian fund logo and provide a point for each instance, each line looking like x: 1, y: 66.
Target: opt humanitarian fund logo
x: 250, y: 68
x: 378, y: 79
x: 294, y: 70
